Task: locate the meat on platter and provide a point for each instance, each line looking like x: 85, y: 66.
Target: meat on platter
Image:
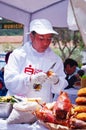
x: 60, y: 112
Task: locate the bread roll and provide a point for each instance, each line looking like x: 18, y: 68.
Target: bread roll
x: 82, y: 92
x: 81, y: 100
x: 81, y: 116
x: 80, y: 108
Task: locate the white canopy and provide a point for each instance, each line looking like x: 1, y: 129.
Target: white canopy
x: 57, y: 11
x: 23, y: 11
x: 79, y: 11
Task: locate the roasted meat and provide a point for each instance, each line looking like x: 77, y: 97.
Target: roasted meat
x: 77, y: 124
x: 62, y: 106
x: 45, y: 115
x: 59, y: 111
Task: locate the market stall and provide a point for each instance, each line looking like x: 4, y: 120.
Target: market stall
x: 4, y: 125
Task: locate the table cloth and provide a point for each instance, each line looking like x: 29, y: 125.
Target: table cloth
x: 35, y: 126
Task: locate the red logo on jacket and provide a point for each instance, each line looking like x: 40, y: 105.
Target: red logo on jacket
x: 30, y: 70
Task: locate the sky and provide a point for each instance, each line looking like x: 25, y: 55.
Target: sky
x: 0, y: 18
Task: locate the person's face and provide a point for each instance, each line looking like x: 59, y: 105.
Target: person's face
x: 70, y: 70
x: 41, y: 42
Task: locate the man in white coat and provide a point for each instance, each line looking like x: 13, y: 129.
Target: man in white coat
x: 27, y: 65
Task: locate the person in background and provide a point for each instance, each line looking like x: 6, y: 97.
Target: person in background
x: 73, y: 76
x: 72, y: 71
x: 28, y: 65
x: 3, y: 89
x: 7, y: 56
x: 2, y: 85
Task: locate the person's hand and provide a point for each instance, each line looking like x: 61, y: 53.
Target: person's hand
x: 39, y: 78
x: 54, y: 78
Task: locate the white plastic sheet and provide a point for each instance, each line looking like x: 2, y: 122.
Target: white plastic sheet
x: 35, y: 126
x: 77, y: 16
x: 71, y: 19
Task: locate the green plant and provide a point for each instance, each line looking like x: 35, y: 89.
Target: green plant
x: 84, y: 77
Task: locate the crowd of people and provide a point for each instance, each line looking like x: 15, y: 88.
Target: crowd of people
x: 28, y: 65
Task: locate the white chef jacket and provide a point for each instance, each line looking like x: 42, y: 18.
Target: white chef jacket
x: 25, y: 61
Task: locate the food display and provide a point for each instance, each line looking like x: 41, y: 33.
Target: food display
x: 60, y: 114
x: 6, y: 106
x: 10, y: 99
x: 57, y: 112
x: 79, y: 117
x: 80, y: 108
x: 23, y: 111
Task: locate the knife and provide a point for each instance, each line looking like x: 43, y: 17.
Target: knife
x: 37, y: 87
x: 51, y: 67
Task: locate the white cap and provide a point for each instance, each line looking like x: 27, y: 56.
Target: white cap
x: 41, y: 26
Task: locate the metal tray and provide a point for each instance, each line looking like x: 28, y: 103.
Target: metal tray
x: 5, y: 109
